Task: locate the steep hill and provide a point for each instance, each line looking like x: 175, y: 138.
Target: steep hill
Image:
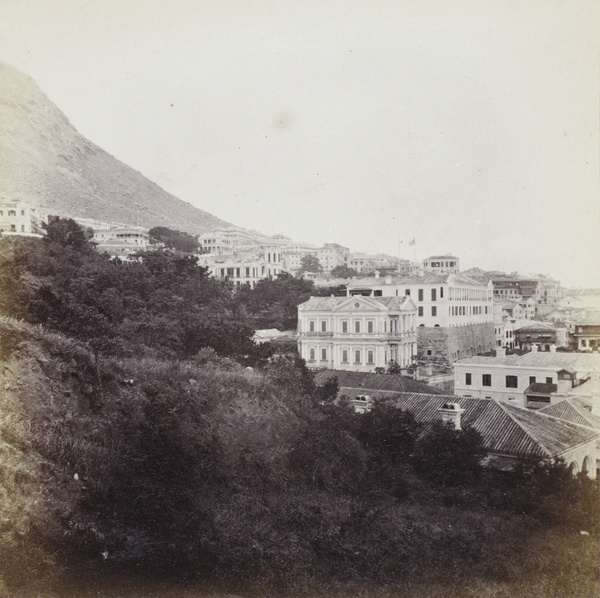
x: 44, y: 160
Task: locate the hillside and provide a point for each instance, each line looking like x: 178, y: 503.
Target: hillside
x: 43, y: 159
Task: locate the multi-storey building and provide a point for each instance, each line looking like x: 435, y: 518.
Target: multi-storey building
x: 17, y: 216
x: 455, y: 316
x: 515, y: 287
x: 244, y: 268
x: 357, y: 333
x: 121, y: 241
x: 332, y: 255
x: 586, y: 331
x: 364, y: 263
x: 441, y: 264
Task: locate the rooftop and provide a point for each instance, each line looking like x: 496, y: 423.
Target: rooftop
x: 573, y: 410
x: 579, y: 362
x: 342, y: 303
x: 505, y: 429
x: 374, y: 382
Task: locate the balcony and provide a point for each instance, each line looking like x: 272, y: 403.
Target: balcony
x: 316, y: 334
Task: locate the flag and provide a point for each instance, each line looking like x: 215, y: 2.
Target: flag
x: 411, y: 243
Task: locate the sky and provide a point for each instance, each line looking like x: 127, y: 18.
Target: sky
x: 470, y: 126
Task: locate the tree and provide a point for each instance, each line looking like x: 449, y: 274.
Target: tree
x: 310, y: 263
x: 449, y: 457
x: 68, y: 233
x: 174, y: 239
x: 343, y: 271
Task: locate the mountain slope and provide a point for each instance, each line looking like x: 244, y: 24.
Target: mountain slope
x: 44, y: 160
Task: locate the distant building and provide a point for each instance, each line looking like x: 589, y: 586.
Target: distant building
x: 20, y: 217
x: 441, y: 264
x: 586, y: 331
x: 244, y: 268
x: 121, y: 241
x: 332, y: 255
x: 365, y: 263
x: 357, y: 333
x: 542, y: 335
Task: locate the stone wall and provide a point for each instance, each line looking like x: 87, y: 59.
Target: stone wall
x: 439, y: 348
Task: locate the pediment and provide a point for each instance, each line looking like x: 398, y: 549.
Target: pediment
x: 359, y: 304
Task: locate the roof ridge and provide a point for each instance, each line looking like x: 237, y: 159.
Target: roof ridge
x: 564, y: 421
x: 504, y: 406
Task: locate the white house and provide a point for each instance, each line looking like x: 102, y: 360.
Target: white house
x: 532, y: 380
x: 357, y: 333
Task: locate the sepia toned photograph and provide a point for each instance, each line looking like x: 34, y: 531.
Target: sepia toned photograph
x: 299, y: 299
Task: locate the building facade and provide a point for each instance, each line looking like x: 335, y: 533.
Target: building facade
x: 20, y: 217
x: 531, y: 380
x: 357, y: 333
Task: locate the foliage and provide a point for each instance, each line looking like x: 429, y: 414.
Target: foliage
x: 174, y: 239
x: 343, y: 271
x: 449, y: 457
x: 310, y: 263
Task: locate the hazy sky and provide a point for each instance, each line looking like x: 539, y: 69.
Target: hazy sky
x: 471, y: 126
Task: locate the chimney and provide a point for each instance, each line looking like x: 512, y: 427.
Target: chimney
x: 501, y: 352
x: 534, y: 348
x: 552, y: 348
x: 376, y: 273
x: 451, y: 412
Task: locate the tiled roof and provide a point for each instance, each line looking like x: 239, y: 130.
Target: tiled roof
x: 541, y: 388
x: 427, y: 278
x: 574, y: 411
x: 505, y: 429
x: 369, y: 381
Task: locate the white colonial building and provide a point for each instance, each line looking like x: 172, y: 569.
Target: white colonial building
x: 357, y: 333
x: 442, y: 300
x: 533, y: 380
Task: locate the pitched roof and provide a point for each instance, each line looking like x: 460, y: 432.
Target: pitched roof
x: 574, y: 411
x: 341, y: 303
x: 505, y: 429
x: 541, y: 388
x: 369, y: 381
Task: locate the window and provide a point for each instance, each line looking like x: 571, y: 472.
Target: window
x: 441, y: 292
x: 486, y: 379
x: 420, y: 294
x: 311, y: 326
x: 377, y: 293
x: 356, y: 356
x: 421, y: 310
x: 22, y: 212
x: 468, y: 379
x: 433, y: 310
x: 344, y: 356
x: 549, y: 380
x: 312, y: 355
x: 323, y: 354
x: 434, y: 294
x: 12, y: 212
x: 357, y: 326
x: 370, y: 326
x: 344, y: 326
x: 370, y: 357
x: 531, y: 379
x: 406, y: 291
x: 512, y: 381
x: 323, y: 326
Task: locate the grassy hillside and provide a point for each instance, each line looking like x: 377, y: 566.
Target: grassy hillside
x: 44, y: 160
x: 167, y: 473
